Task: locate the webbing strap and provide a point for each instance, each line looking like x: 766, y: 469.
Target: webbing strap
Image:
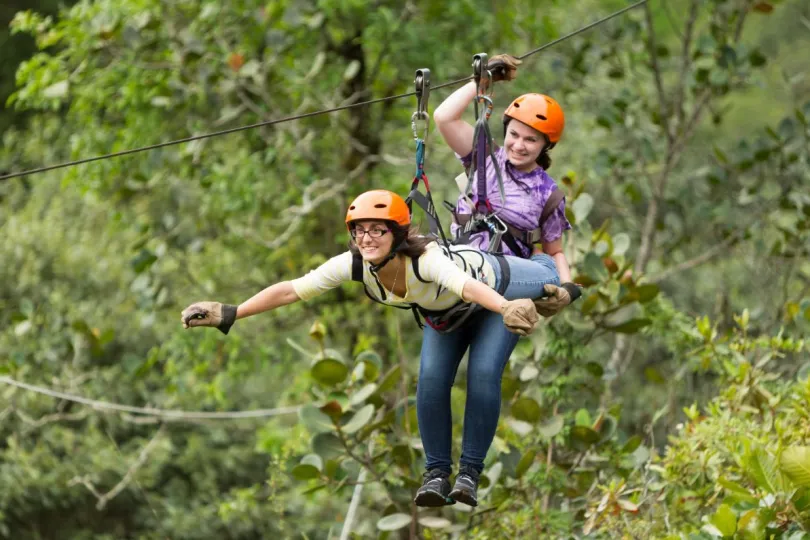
x: 483, y: 146
x: 424, y: 201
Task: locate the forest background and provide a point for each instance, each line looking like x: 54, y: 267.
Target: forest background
x: 670, y: 402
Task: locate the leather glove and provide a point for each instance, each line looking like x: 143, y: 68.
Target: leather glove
x: 220, y: 316
x: 519, y: 316
x: 558, y: 298
x: 503, y: 67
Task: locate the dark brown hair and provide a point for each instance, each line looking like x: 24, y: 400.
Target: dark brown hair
x: 407, y: 239
x: 544, y: 160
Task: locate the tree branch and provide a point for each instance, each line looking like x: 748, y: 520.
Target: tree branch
x: 705, y: 257
x: 659, y: 83
x: 686, y: 59
x: 49, y: 418
x: 126, y: 480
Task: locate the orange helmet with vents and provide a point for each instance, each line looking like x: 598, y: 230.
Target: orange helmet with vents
x: 540, y: 112
x: 379, y: 204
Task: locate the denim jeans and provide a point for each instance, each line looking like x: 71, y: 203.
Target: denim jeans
x: 490, y: 345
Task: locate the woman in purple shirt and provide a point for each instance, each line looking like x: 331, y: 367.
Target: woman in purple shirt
x: 533, y: 124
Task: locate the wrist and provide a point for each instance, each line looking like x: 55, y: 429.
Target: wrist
x: 228, y: 318
x: 573, y: 290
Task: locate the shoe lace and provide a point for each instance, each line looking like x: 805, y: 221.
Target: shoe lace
x: 434, y: 474
x: 470, y: 473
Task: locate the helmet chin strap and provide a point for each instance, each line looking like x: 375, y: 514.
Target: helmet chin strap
x: 393, y: 253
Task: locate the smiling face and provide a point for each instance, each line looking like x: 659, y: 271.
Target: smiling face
x: 372, y: 249
x: 523, y: 145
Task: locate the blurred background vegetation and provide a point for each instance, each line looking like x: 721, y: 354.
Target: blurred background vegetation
x: 671, y: 402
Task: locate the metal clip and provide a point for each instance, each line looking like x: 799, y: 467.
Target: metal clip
x: 422, y: 85
x: 480, y: 73
x: 495, y: 224
x: 497, y: 229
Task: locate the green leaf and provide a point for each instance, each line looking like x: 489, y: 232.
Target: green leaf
x: 739, y: 491
x: 373, y: 364
x: 389, y: 380
x: 434, y: 522
x: 328, y: 368
x: 725, y: 520
x: 751, y: 526
x: 143, y: 260
x: 529, y: 373
x: 583, y: 437
x: 795, y: 463
x: 593, y: 266
x: 526, y: 409
x: 621, y: 243
x: 310, y: 467
x: 626, y: 319
x: 552, y: 427
x: 583, y: 418
x: 363, y: 394
x: 56, y: 90
x: 327, y: 445
x: 631, y: 444
x: 763, y: 470
x: 525, y: 463
x: 394, y: 522
x: 647, y: 292
x: 582, y: 206
x: 360, y: 419
x: 595, y: 369
x: 314, y: 420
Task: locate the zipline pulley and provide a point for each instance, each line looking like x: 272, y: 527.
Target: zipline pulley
x: 422, y: 86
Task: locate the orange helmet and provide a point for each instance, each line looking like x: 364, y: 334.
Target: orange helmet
x: 540, y: 112
x: 379, y: 204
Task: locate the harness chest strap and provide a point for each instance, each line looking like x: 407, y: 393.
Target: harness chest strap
x: 527, y: 237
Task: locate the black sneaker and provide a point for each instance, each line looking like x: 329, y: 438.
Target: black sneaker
x: 464, y: 490
x: 434, y: 490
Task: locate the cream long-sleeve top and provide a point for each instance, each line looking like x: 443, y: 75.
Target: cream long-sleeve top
x: 444, y: 271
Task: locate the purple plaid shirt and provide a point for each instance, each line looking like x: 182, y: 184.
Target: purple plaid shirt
x: 526, y: 194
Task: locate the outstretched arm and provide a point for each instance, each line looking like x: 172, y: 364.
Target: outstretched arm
x: 476, y: 292
x: 456, y: 132
x: 274, y: 296
x: 519, y: 316
x: 222, y: 316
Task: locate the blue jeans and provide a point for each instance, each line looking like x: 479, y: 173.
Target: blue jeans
x: 490, y: 345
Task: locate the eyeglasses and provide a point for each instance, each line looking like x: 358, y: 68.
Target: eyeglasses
x: 357, y: 232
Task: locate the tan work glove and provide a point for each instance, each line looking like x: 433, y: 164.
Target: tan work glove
x: 558, y: 298
x: 220, y: 316
x: 503, y: 67
x: 519, y: 316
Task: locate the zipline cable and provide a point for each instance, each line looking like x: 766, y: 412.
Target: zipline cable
x: 149, y: 411
x: 304, y: 115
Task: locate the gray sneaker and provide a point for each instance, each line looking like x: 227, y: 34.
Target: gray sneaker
x: 466, y: 486
x: 434, y: 490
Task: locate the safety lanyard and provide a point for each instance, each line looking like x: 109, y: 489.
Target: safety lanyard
x: 424, y: 201
x: 483, y: 147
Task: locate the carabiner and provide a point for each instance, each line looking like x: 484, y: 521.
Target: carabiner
x: 422, y: 85
x: 495, y: 224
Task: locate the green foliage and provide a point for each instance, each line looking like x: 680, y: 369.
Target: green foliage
x: 680, y: 224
